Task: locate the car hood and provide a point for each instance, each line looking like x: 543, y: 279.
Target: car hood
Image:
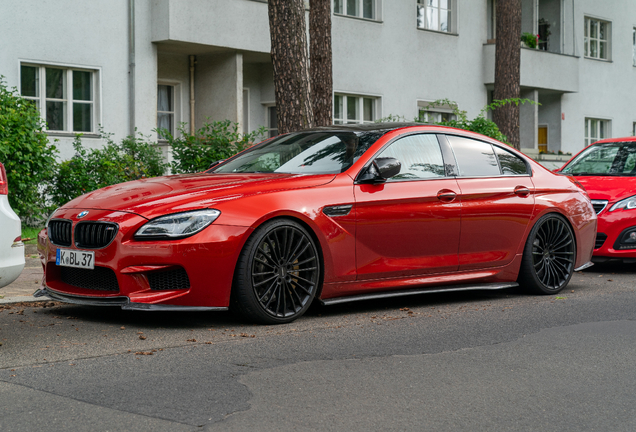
x: 607, y: 187
x: 171, y: 194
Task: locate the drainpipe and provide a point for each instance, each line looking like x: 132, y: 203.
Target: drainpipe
x: 192, y: 63
x: 131, y: 66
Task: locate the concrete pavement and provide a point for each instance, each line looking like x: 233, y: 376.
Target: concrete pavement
x: 22, y: 289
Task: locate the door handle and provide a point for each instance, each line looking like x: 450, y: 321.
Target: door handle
x: 446, y: 195
x: 522, y: 191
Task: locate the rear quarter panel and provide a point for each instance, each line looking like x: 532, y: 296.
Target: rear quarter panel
x: 557, y: 193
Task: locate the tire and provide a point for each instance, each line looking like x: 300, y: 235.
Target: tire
x: 278, y: 273
x: 548, y: 256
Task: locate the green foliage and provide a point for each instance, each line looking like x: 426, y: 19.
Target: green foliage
x: 529, y: 39
x: 25, y: 152
x: 480, y: 124
x: 214, y: 141
x: 91, y: 169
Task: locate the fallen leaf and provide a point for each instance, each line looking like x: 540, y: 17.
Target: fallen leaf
x: 142, y: 337
x: 144, y: 353
x: 192, y: 340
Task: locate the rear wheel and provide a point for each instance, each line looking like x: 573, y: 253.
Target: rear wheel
x: 278, y: 273
x: 548, y: 257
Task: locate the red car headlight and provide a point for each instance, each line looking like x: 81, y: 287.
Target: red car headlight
x: 626, y: 204
x: 177, y: 225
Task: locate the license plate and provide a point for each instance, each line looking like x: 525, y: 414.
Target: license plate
x: 73, y: 258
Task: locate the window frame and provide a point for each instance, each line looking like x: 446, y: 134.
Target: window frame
x: 375, y: 100
x: 493, y: 146
x: 588, y: 139
x: 268, y: 106
x: 67, y: 99
x: 407, y: 136
x: 344, y: 8
x: 634, y: 46
x: 588, y: 39
x: 452, y: 22
x: 423, y: 108
x: 173, y: 123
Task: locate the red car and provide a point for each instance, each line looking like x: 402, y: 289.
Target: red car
x: 336, y: 214
x: 607, y: 169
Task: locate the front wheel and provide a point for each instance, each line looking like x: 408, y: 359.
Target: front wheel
x: 548, y: 257
x: 278, y: 273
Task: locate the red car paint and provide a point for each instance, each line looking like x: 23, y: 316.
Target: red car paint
x: 398, y: 235
x: 612, y: 189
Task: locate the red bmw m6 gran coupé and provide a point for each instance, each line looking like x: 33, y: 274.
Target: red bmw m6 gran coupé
x: 332, y: 214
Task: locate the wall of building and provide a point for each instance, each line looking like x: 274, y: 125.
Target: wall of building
x: 607, y: 89
x: 389, y: 58
x: 402, y: 64
x: 550, y: 115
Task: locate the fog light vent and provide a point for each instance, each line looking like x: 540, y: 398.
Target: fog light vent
x: 176, y: 279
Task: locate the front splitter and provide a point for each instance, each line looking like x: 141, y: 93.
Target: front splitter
x: 121, y: 301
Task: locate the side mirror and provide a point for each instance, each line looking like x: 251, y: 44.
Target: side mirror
x: 215, y: 163
x: 380, y: 170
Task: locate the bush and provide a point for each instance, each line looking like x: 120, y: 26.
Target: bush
x: 26, y: 153
x: 479, y: 124
x: 212, y: 142
x: 91, y: 169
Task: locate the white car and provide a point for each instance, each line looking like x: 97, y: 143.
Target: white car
x: 11, y: 246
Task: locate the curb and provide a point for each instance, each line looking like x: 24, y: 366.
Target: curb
x: 22, y: 299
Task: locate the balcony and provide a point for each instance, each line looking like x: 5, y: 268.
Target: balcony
x: 198, y: 26
x: 540, y: 69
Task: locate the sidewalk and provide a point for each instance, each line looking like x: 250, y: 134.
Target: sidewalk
x: 22, y: 289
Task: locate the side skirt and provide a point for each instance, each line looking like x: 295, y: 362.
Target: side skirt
x: 402, y: 293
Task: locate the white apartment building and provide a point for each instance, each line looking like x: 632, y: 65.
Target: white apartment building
x: 126, y: 64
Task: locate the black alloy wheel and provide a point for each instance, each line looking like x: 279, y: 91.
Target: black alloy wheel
x: 549, y: 256
x: 278, y: 273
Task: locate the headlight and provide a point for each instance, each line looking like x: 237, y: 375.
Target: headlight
x: 178, y: 225
x: 626, y: 204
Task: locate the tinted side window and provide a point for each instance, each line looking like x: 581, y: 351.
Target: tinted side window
x: 511, y: 164
x: 474, y: 158
x: 420, y: 156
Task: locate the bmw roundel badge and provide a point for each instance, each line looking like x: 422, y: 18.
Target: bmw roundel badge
x: 82, y: 214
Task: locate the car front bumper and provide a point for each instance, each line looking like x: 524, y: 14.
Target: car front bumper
x: 611, y: 228
x: 191, y: 273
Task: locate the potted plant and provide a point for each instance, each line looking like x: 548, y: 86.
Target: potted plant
x: 529, y: 40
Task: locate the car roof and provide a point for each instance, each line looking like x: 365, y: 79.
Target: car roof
x: 616, y: 140
x: 367, y: 127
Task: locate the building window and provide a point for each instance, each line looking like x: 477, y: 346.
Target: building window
x: 434, y: 15
x: 431, y: 112
x: 597, y: 39
x: 434, y: 116
x: 634, y: 46
x: 64, y: 96
x: 634, y: 129
x: 272, y: 121
x: 355, y: 8
x: 165, y: 108
x: 349, y: 109
x: 596, y: 129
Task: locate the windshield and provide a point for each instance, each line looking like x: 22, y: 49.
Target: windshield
x: 315, y: 152
x: 612, y: 159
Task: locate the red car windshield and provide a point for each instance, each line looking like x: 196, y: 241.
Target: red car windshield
x: 609, y: 159
x: 303, y: 153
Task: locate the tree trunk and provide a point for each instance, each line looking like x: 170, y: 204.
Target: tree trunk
x: 320, y: 61
x: 507, y: 68
x: 288, y: 33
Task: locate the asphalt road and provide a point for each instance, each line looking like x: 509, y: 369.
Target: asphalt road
x: 467, y: 361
